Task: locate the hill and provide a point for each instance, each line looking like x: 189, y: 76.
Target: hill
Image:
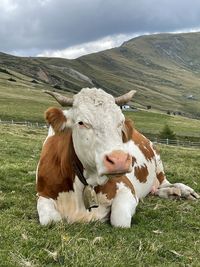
x: 163, y: 68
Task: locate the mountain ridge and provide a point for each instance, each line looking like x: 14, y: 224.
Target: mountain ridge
x: 163, y: 68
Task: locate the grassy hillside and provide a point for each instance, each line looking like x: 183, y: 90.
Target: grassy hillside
x: 25, y: 101
x: 163, y: 68
x: 163, y: 232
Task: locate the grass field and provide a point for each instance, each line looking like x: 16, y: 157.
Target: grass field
x: 23, y: 100
x: 163, y: 232
x: 151, y: 123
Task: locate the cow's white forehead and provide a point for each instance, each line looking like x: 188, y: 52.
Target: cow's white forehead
x: 92, y: 96
x: 92, y: 103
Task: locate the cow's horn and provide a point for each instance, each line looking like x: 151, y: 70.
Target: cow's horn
x: 62, y: 100
x: 123, y: 99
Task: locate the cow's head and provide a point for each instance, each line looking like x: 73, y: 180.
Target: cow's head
x: 98, y: 131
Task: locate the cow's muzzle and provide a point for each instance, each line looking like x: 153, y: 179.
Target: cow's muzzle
x: 117, y: 162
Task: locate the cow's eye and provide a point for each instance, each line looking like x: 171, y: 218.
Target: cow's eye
x: 84, y: 124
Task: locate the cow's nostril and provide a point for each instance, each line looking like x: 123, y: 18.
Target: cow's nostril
x: 109, y: 160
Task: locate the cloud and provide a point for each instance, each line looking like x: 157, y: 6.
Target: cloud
x: 43, y: 26
x: 8, y: 6
x: 90, y: 47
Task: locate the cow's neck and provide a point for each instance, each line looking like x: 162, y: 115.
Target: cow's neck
x: 88, y: 173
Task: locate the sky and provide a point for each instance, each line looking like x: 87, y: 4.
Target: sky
x: 72, y: 28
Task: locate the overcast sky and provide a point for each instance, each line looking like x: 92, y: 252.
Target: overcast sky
x: 71, y: 28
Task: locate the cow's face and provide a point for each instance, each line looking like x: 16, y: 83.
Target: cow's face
x: 97, y: 133
x: 97, y: 125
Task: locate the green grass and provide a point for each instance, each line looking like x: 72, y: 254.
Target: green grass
x: 163, y: 232
x: 23, y: 100
x: 151, y: 123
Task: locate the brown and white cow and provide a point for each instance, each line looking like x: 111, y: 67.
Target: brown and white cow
x: 121, y: 165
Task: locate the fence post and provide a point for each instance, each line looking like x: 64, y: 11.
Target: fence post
x: 167, y: 141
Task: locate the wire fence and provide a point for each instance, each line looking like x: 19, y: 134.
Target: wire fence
x: 24, y: 123
x: 177, y: 142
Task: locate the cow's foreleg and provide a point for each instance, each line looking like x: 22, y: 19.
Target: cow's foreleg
x: 123, y: 207
x: 47, y: 211
x: 174, y: 191
x: 177, y: 190
x: 163, y: 188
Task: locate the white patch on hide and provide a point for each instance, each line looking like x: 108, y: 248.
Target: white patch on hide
x: 142, y: 189
x: 36, y: 174
x: 70, y: 206
x: 93, y: 179
x: 50, y: 133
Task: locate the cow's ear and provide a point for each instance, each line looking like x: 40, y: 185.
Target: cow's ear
x: 57, y: 119
x: 127, y: 131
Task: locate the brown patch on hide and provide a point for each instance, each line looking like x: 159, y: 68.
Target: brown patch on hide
x: 141, y: 173
x: 133, y: 160
x: 144, y: 145
x: 127, y: 130
x: 161, y: 177
x: 56, y: 118
x: 110, y: 188
x: 55, y: 170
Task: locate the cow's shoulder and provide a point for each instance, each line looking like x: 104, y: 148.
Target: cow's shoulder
x: 144, y: 144
x: 133, y: 138
x: 55, y: 169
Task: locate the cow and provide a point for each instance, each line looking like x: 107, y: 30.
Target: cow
x: 93, y: 154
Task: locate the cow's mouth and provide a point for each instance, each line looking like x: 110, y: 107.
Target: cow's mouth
x: 117, y: 173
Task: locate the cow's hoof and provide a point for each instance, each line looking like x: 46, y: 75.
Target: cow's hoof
x: 46, y: 219
x: 186, y: 191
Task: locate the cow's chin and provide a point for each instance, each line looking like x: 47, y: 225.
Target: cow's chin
x: 104, y: 177
x: 116, y: 174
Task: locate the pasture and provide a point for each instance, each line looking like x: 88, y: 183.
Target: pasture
x: 163, y: 232
x: 24, y: 101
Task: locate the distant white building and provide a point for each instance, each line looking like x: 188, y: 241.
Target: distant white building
x: 125, y: 107
x: 190, y: 97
